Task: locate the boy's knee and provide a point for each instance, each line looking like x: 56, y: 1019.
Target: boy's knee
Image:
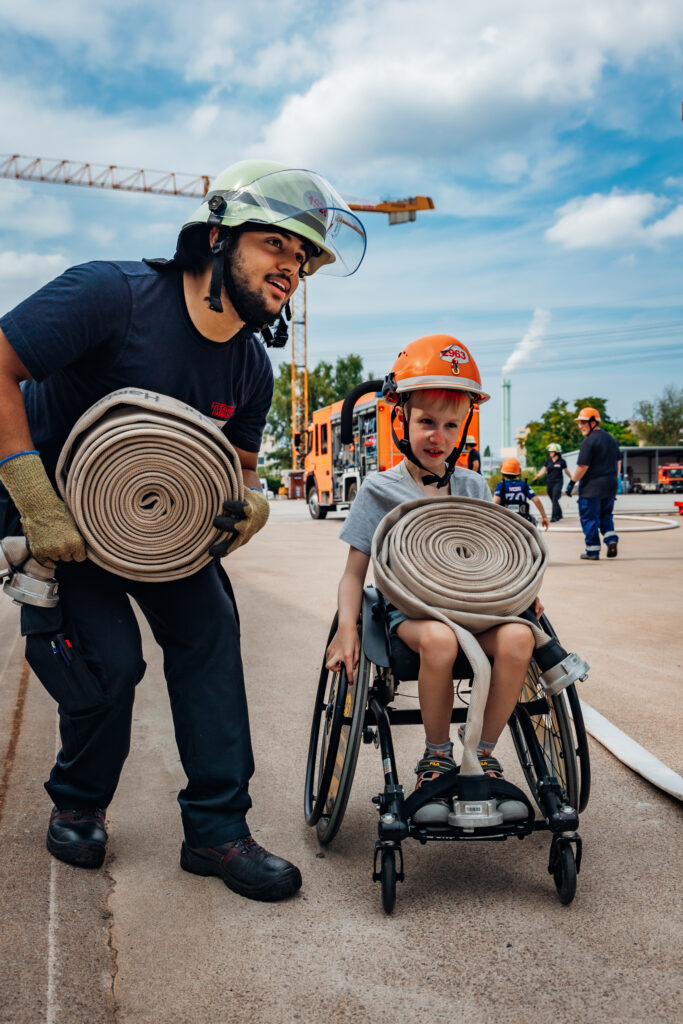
x: 519, y: 642
x: 437, y: 640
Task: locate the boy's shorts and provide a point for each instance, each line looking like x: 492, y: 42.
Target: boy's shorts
x: 394, y: 619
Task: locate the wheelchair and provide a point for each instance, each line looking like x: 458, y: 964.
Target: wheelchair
x: 547, y: 732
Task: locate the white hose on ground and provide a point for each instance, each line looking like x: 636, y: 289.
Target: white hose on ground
x: 144, y: 475
x: 468, y: 563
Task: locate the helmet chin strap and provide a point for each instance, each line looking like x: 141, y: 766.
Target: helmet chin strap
x: 221, y: 276
x: 403, y: 445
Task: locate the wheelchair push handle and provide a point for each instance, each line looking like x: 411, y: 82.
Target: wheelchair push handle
x: 26, y: 580
x: 348, y: 407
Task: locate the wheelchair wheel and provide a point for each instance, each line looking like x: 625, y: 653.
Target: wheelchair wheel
x: 388, y: 880
x: 564, y: 871
x: 542, y: 733
x: 325, y: 732
x: 336, y: 732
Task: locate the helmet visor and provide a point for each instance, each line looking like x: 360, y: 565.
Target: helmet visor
x: 307, y: 205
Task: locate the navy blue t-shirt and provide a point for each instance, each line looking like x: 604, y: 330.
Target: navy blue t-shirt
x: 600, y: 452
x: 103, y: 326
x: 513, y: 492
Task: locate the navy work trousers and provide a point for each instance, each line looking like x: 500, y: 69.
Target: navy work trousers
x: 87, y: 652
x: 554, y: 491
x: 596, y: 518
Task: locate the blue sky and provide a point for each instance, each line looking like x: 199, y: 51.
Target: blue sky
x: 549, y: 137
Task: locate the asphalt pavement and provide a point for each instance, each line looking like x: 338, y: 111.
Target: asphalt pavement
x: 478, y: 934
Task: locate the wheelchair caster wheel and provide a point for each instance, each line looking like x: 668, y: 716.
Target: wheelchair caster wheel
x: 564, y: 870
x: 388, y: 879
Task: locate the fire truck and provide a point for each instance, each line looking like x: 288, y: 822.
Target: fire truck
x: 333, y: 472
x: 670, y: 478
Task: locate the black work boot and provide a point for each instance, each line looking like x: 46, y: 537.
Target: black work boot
x: 78, y: 836
x: 245, y: 867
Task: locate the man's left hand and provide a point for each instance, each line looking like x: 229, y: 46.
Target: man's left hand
x: 240, y: 520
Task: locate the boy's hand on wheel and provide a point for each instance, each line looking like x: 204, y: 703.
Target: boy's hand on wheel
x: 344, y: 649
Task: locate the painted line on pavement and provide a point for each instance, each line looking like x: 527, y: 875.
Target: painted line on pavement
x: 51, y: 1005
x: 630, y: 753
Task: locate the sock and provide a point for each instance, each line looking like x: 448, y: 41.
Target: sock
x: 439, y: 749
x: 484, y: 748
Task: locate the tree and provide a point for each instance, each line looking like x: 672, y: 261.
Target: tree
x: 661, y: 421
x: 558, y: 425
x: 326, y: 384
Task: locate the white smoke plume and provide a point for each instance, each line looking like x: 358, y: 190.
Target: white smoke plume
x: 533, y: 339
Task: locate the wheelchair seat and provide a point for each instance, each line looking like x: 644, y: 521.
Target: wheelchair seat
x: 390, y: 651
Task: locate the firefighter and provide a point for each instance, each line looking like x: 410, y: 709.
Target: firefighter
x: 473, y: 456
x: 434, y: 383
x: 188, y: 328
x: 597, y: 471
x: 553, y: 467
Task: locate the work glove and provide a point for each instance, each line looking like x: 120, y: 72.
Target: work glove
x: 569, y: 488
x: 49, y: 527
x: 240, y: 520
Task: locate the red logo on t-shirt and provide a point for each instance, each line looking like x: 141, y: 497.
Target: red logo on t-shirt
x: 222, y: 411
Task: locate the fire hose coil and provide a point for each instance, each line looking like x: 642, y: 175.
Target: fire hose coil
x: 144, y: 475
x: 468, y: 563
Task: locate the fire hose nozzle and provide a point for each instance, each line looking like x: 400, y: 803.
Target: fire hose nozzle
x: 26, y: 580
x: 558, y: 668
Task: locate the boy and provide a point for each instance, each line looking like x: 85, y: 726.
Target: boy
x: 434, y: 383
x: 515, y: 494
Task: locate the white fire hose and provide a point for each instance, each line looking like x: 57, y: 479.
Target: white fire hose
x: 473, y: 565
x: 144, y: 475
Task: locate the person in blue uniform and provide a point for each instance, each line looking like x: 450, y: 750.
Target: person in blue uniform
x: 597, y: 472
x: 515, y: 494
x: 188, y: 328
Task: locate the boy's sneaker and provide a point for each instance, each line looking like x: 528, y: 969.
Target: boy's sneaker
x: 436, y: 811
x: 512, y: 810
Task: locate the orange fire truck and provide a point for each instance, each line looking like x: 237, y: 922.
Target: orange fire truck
x: 333, y: 472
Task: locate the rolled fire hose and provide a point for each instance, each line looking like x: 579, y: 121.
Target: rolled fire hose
x: 473, y: 565
x: 144, y: 475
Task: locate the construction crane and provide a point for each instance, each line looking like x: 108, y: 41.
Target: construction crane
x: 171, y: 183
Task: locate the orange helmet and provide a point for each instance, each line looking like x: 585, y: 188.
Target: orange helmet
x: 511, y: 467
x: 437, y: 361
x: 588, y: 413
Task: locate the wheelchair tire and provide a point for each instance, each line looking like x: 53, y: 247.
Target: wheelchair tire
x: 579, y: 733
x: 388, y: 880
x: 333, y: 750
x: 326, y: 726
x: 542, y: 733
x: 564, y: 872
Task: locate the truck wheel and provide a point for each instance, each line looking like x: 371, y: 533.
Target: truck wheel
x: 353, y: 491
x: 314, y: 506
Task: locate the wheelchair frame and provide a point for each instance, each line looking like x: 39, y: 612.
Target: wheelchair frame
x: 551, y: 746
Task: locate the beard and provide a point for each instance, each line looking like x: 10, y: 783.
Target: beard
x: 249, y: 305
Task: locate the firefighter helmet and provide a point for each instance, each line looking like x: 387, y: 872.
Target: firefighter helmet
x: 262, y: 192
x: 588, y: 413
x: 511, y: 467
x: 436, y: 361
x: 553, y: 448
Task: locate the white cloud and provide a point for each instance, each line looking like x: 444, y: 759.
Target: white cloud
x: 22, y: 210
x: 607, y: 221
x: 532, y: 340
